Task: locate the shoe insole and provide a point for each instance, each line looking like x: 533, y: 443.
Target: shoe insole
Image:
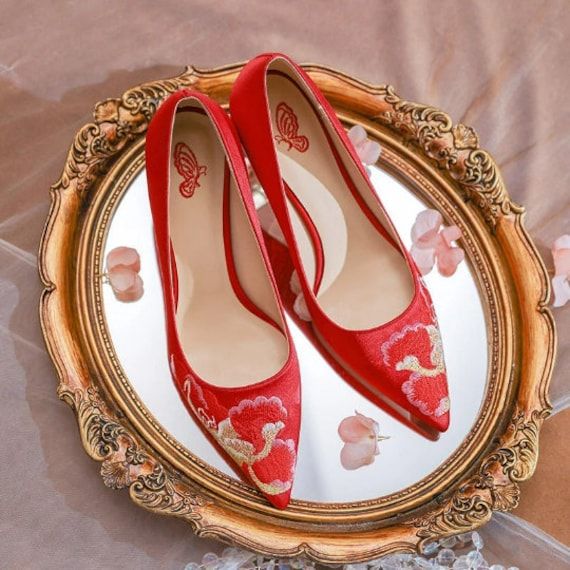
x: 224, y: 342
x: 366, y: 281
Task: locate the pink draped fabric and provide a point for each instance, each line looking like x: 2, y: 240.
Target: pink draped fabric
x: 501, y: 67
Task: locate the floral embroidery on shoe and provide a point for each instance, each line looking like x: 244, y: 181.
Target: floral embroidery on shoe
x: 417, y: 350
x: 249, y: 435
x: 288, y: 127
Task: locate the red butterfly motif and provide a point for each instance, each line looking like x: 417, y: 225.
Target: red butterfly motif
x: 288, y: 126
x: 188, y: 167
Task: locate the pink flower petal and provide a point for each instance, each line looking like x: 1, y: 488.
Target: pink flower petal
x: 356, y: 455
x: 126, y: 256
x: 424, y: 258
x: 448, y: 259
x: 295, y: 283
x: 561, y: 255
x: 563, y: 242
x: 300, y: 307
x: 561, y: 290
x: 450, y: 234
x: 126, y: 284
x: 425, y: 229
x: 369, y: 152
x: 358, y: 428
x: 357, y: 135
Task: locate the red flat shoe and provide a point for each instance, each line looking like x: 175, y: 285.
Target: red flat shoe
x: 357, y: 283
x: 230, y: 351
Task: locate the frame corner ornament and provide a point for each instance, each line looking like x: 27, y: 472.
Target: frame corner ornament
x: 452, y: 148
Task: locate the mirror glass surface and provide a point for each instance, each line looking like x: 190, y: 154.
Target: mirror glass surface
x: 137, y: 331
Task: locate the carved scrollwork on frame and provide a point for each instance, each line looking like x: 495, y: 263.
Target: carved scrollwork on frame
x: 124, y: 463
x: 495, y: 485
x: 453, y: 148
x: 117, y: 123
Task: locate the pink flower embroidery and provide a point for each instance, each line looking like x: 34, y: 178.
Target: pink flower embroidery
x: 417, y: 352
x: 123, y: 266
x: 432, y: 243
x: 561, y: 279
x: 368, y: 150
x: 249, y: 434
x: 361, y: 436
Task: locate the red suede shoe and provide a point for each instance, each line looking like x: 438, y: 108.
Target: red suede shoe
x: 357, y: 284
x: 230, y: 351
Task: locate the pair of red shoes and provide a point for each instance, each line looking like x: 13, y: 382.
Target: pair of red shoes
x: 230, y: 350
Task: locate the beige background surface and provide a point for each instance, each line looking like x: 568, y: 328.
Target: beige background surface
x: 501, y: 67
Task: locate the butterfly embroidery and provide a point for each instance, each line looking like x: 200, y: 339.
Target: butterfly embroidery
x: 288, y: 127
x: 188, y: 167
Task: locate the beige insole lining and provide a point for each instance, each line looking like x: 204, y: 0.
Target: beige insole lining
x: 366, y: 281
x: 225, y: 343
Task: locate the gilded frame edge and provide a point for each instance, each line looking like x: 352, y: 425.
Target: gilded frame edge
x: 454, y: 150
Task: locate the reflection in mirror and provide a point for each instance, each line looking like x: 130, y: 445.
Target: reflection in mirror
x: 325, y: 473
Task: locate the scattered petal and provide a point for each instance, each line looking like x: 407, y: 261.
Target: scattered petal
x: 561, y: 290
x: 295, y: 283
x: 450, y: 234
x: 561, y: 255
x: 425, y: 229
x: 126, y: 256
x: 361, y: 436
x: 123, y: 265
x: 434, y: 243
x: 368, y: 150
x: 126, y: 284
x: 300, y: 308
x: 424, y: 258
x: 356, y: 428
x: 356, y: 455
x: 448, y: 259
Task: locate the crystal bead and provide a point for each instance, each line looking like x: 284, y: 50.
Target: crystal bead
x: 477, y: 540
x: 430, y: 548
x: 422, y: 564
x: 465, y: 537
x: 513, y: 568
x: 461, y: 564
x: 445, y: 556
x: 448, y: 542
x: 497, y: 567
x: 192, y: 566
x: 474, y: 558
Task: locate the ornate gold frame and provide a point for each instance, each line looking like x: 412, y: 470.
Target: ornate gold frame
x: 444, y: 163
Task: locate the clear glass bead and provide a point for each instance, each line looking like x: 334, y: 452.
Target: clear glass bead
x: 445, y: 557
x: 461, y: 564
x: 497, y: 567
x: 474, y: 558
x: 431, y: 548
x: 477, y: 540
x: 448, y: 542
x: 422, y: 564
